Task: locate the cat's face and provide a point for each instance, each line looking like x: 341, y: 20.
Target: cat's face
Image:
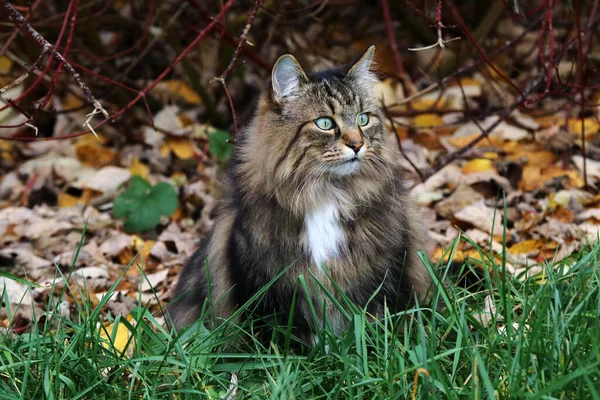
x: 332, y: 118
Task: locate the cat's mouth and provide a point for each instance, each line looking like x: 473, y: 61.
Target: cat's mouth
x: 354, y: 159
x: 346, y: 167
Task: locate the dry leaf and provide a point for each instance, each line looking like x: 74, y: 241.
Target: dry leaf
x: 427, y: 120
x: 590, y: 126
x: 138, y: 168
x: 94, y: 154
x: 477, y: 165
x: 117, y: 337
x: 108, y: 179
x: 482, y: 217
x: 463, y: 196
x: 181, y: 147
x: 178, y: 89
x: 526, y: 247
x: 153, y: 281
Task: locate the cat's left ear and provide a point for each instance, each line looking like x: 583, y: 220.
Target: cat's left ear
x: 362, y: 68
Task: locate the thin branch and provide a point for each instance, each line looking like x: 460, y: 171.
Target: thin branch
x: 24, y: 25
x: 221, y: 78
x: 142, y: 93
x: 21, y: 78
x: 505, y: 113
x: 412, y: 164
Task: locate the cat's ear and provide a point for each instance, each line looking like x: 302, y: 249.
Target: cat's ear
x: 362, y: 68
x: 287, y: 76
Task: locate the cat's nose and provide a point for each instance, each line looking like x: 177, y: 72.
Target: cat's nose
x: 355, y: 145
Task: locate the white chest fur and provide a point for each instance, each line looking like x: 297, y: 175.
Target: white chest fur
x: 324, y: 234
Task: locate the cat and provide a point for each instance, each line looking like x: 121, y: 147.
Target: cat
x: 314, y: 186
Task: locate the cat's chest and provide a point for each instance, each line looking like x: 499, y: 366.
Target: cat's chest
x: 325, y: 238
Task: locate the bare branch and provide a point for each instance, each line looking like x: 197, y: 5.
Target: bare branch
x: 24, y: 25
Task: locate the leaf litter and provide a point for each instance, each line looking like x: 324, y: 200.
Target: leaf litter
x: 522, y: 181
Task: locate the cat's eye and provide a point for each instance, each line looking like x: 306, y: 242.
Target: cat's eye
x: 324, y: 123
x: 362, y: 119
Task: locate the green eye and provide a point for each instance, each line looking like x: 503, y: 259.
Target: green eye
x: 324, y: 123
x: 362, y: 119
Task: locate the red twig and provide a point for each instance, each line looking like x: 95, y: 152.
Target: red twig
x: 14, y: 34
x: 24, y: 25
x: 72, y: 11
x: 21, y: 78
x: 385, y: 6
x: 137, y: 43
x: 501, y: 117
x: 462, y: 24
x: 221, y: 78
x: 581, y: 82
x: 142, y: 93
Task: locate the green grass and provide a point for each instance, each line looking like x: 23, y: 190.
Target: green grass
x: 543, y: 342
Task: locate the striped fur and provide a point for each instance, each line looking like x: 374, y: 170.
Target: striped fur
x: 284, y: 173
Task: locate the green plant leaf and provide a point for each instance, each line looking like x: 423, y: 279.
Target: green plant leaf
x: 164, y: 198
x: 219, y: 145
x: 142, y: 205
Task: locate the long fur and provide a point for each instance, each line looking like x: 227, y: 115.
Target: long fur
x: 282, y: 170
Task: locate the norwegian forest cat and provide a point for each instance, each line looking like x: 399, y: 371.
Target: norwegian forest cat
x: 315, y: 185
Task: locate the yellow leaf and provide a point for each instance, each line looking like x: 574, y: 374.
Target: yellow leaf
x: 185, y: 120
x: 531, y: 178
x: 491, y: 155
x: 428, y: 120
x: 94, y: 154
x: 526, y: 247
x: 534, y: 158
x: 182, y: 148
x: 5, y: 65
x: 71, y: 101
x: 466, y: 82
x: 590, y: 126
x: 116, y: 337
x: 139, y: 168
x: 462, y: 141
x: 179, y: 89
x: 66, y: 200
x: 143, y: 247
x: 145, y: 250
x: 477, y: 165
x: 427, y: 103
x: 100, y: 138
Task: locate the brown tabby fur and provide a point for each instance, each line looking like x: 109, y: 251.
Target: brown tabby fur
x: 281, y: 171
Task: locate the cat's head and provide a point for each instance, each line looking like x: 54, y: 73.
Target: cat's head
x: 330, y: 120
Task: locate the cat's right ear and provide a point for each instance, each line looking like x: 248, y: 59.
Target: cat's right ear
x: 287, y: 76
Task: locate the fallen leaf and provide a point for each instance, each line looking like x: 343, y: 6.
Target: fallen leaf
x: 427, y: 120
x: 485, y: 218
x: 180, y: 89
x: 153, y: 281
x: 116, y: 243
x: 526, y: 247
x: 108, y: 179
x: 138, y: 168
x: 181, y: 147
x: 477, y: 165
x: 590, y: 126
x: 463, y: 196
x: 116, y: 337
x: 94, y: 154
x: 67, y: 200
